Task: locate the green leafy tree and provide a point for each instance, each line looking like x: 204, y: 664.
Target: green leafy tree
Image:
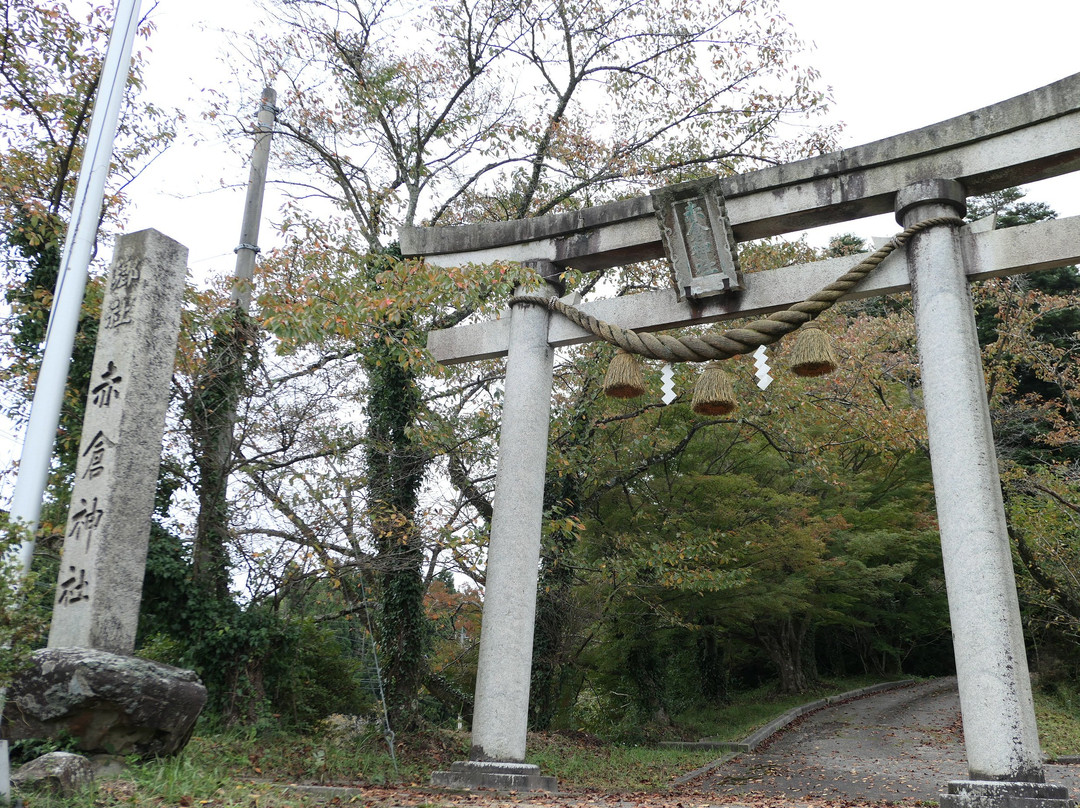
x: 1043, y: 521
x: 750, y: 546
x: 23, y: 611
x: 1028, y: 326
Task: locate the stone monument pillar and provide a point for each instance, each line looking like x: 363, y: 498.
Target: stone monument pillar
x: 1002, y: 742
x: 101, y: 571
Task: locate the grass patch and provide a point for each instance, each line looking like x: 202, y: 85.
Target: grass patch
x: 754, y: 709
x: 330, y: 758
x: 1058, y: 715
x: 583, y: 762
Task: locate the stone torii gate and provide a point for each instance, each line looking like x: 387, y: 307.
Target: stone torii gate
x: 919, y: 175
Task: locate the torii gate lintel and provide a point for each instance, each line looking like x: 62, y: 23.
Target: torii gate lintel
x: 1031, y: 137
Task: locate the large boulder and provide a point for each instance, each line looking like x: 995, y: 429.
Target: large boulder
x: 115, y: 704
x: 59, y: 773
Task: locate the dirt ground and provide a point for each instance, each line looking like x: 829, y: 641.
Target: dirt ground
x: 900, y: 745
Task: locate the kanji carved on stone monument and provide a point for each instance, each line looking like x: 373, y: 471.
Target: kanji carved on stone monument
x: 102, y: 394
x: 108, y: 527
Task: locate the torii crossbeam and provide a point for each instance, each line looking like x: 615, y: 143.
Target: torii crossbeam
x: 920, y: 174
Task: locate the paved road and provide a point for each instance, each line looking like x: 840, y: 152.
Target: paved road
x: 903, y: 744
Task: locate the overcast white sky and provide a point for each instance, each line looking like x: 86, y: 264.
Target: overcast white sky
x: 892, y: 66
x: 899, y: 66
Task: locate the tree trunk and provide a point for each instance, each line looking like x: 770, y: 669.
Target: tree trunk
x: 784, y: 641
x: 395, y: 471
x: 551, y: 665
x: 553, y: 674
x: 211, y: 411
x: 712, y: 664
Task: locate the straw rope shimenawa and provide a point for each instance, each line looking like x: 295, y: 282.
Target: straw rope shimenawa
x: 735, y: 341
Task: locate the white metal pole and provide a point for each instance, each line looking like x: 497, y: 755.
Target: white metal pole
x: 40, y: 437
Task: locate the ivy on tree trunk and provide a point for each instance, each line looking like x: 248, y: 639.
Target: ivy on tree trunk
x: 37, y: 239
x: 211, y: 413
x: 555, y: 679
x: 395, y: 465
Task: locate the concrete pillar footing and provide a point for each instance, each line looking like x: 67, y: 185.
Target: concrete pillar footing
x: 499, y: 775
x: 998, y: 794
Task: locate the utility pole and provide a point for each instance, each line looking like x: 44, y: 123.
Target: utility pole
x: 249, y: 231
x: 213, y: 413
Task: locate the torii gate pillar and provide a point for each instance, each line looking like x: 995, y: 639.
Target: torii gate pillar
x: 991, y: 664
x: 501, y: 711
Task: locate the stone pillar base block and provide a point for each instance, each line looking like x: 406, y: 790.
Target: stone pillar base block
x: 995, y: 794
x: 499, y: 775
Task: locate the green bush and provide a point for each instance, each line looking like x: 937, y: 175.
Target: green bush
x: 258, y: 668
x: 316, y: 679
x: 24, y: 607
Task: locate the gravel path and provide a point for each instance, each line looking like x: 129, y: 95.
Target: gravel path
x: 904, y: 744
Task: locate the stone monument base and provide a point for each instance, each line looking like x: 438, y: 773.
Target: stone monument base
x: 113, y: 704
x: 995, y: 794
x: 494, y: 774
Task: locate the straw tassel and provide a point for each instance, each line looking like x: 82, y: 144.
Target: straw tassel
x: 813, y: 354
x: 714, y: 393
x: 624, y: 378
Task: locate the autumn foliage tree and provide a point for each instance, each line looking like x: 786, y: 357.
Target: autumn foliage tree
x: 486, y: 110
x: 1030, y: 329
x: 50, y: 67
x: 769, y: 535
